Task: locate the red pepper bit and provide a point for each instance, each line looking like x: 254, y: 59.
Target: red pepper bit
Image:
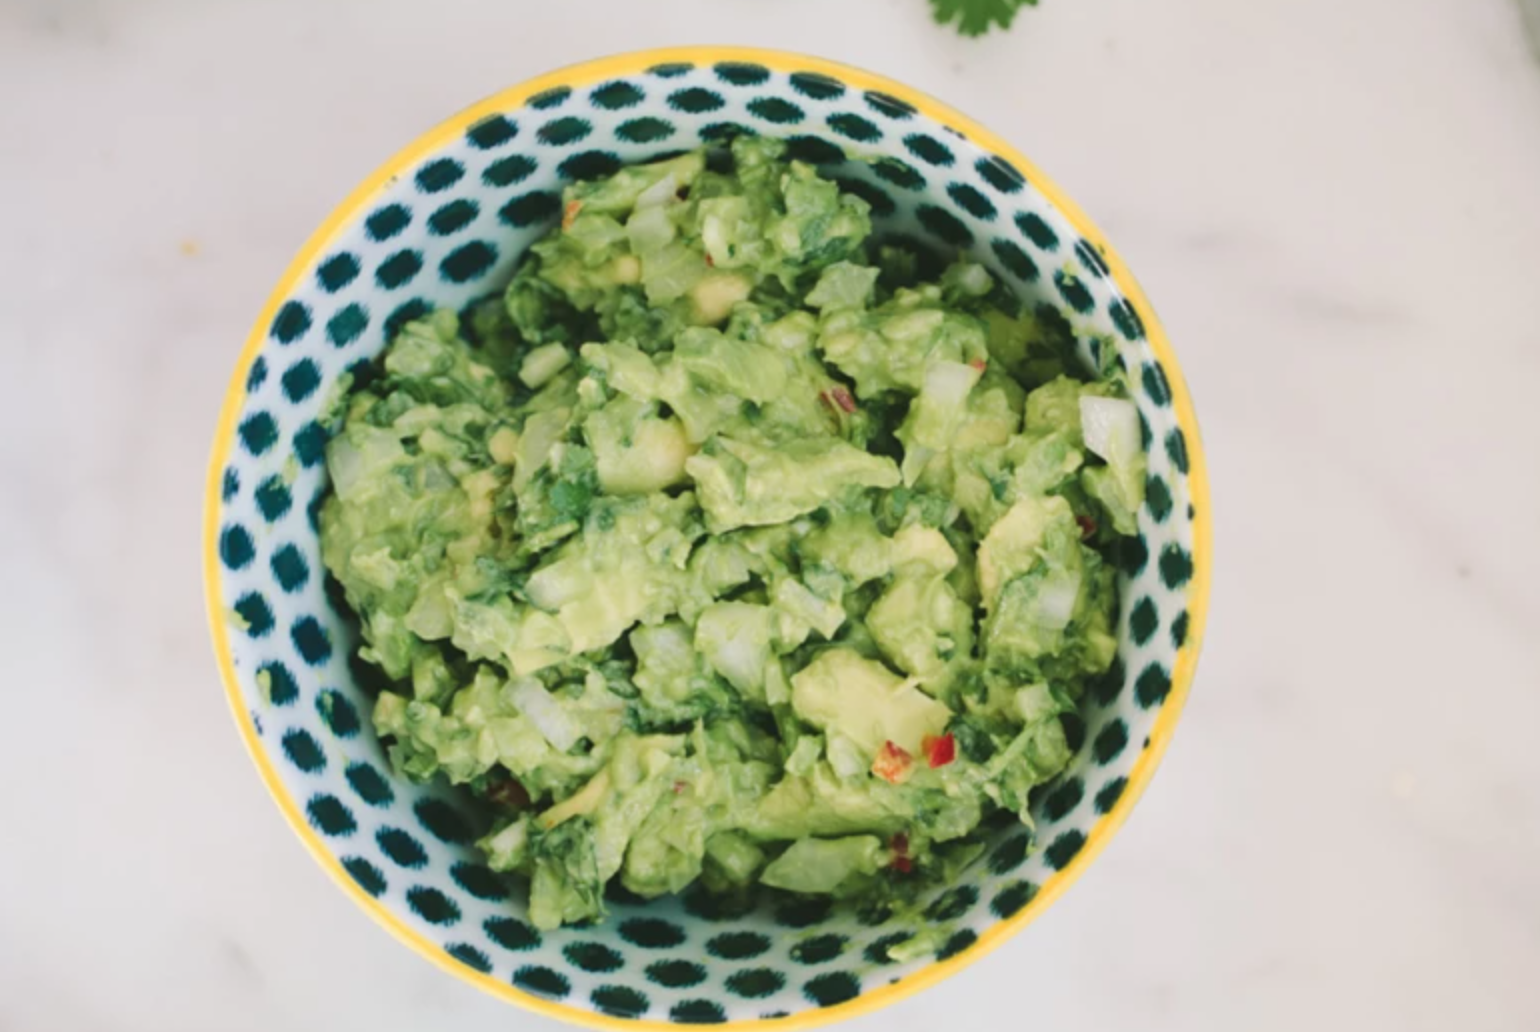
x: 1087, y: 527
x: 892, y: 763
x: 979, y: 364
x: 843, y: 399
x: 710, y: 262
x: 570, y: 213
x: 899, y: 843
x: 510, y: 794
x: 902, y: 864
x: 939, y: 751
x: 680, y: 786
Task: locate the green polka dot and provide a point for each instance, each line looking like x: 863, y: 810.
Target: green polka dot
x: 492, y: 131
x: 231, y: 485
x: 365, y: 874
x: 695, y: 101
x: 1179, y: 630
x: 676, y: 974
x: 697, y: 1012
x: 512, y: 934
x: 515, y: 168
x: 651, y: 933
x: 1074, y: 291
x: 612, y: 96
x: 281, y: 687
x: 300, y: 380
x: 470, y: 956
x: 303, y: 751
x: 560, y: 132
x: 952, y: 904
x: 803, y: 913
x: 1146, y: 436
x: 289, y: 568
x: 645, y: 130
x: 619, y: 1001
x: 899, y: 173
x: 347, y: 325
x: 833, y: 988
x: 1157, y: 496
x: 1000, y: 174
x: 1126, y: 320
x: 1143, y: 620
x: 311, y: 639
x: 854, y: 127
x: 592, y: 164
x: 1038, y: 231
x: 542, y: 981
x: 740, y: 73
x: 337, y: 713
x: 468, y: 261
x: 774, y: 109
x: 956, y: 943
x: 479, y: 880
x: 1063, y: 799
x: 453, y: 217
x: 814, y: 150
x: 888, y: 105
x: 1152, y: 685
x: 873, y: 195
x: 551, y: 98
x: 273, y: 498
x: 310, y: 444
x: 256, y: 376
x: 1009, y: 900
x: 328, y: 816
x: 1107, y: 687
x: 617, y: 893
x: 1109, y: 795
x: 722, y: 132
x: 1176, y: 449
x: 1091, y: 258
x: 820, y: 949
x: 756, y: 983
x: 1110, y: 742
x: 529, y: 209
x: 1133, y: 553
x: 1155, y: 385
x: 386, y: 222
x: 737, y: 945
x: 408, y: 311
x: 1175, y: 566
x: 443, y: 821
x: 876, y: 951
x: 398, y: 270
x: 945, y: 225
x: 672, y: 70
x: 818, y: 87
x: 971, y: 201
x: 258, y: 432
x: 1010, y: 854
x: 402, y: 848
x: 439, y: 175
x: 291, y: 322
x: 593, y: 956
x: 929, y: 149
x: 369, y: 784
x: 235, y: 547
x: 254, y: 610
x: 1016, y: 261
x: 1063, y: 849
x: 337, y: 272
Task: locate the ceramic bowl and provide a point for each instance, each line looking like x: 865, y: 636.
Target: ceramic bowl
x: 442, y: 224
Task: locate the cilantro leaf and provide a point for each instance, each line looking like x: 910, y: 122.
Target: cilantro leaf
x: 976, y: 17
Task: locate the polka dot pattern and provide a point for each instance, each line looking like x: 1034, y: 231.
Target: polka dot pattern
x: 448, y: 230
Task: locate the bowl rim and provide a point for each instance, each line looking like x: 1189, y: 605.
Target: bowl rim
x: 584, y: 73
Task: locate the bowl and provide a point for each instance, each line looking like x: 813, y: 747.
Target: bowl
x: 442, y: 224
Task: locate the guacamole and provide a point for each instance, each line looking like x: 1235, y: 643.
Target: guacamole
x: 732, y: 546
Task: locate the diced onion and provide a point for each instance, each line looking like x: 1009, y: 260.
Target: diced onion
x: 1055, y: 602
x: 1110, y: 426
x: 546, y: 713
x: 658, y: 193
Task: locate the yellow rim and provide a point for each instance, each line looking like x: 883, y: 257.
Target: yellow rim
x: 593, y: 71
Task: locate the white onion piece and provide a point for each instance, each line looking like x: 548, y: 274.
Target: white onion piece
x: 658, y: 193
x: 546, y: 713
x: 1110, y: 426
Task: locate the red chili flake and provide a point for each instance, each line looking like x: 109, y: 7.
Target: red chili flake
x: 570, y: 213
x: 680, y: 786
x: 843, y: 399
x: 939, y: 751
x: 510, y: 794
x: 899, y: 843
x: 902, y: 864
x: 1087, y: 527
x: 979, y: 364
x: 892, y: 763
x: 710, y: 262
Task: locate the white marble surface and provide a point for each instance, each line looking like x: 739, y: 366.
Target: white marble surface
x: 1336, y: 207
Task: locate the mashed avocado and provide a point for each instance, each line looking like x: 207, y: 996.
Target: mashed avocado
x: 724, y: 547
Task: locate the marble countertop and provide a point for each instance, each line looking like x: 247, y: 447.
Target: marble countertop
x: 1336, y: 208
